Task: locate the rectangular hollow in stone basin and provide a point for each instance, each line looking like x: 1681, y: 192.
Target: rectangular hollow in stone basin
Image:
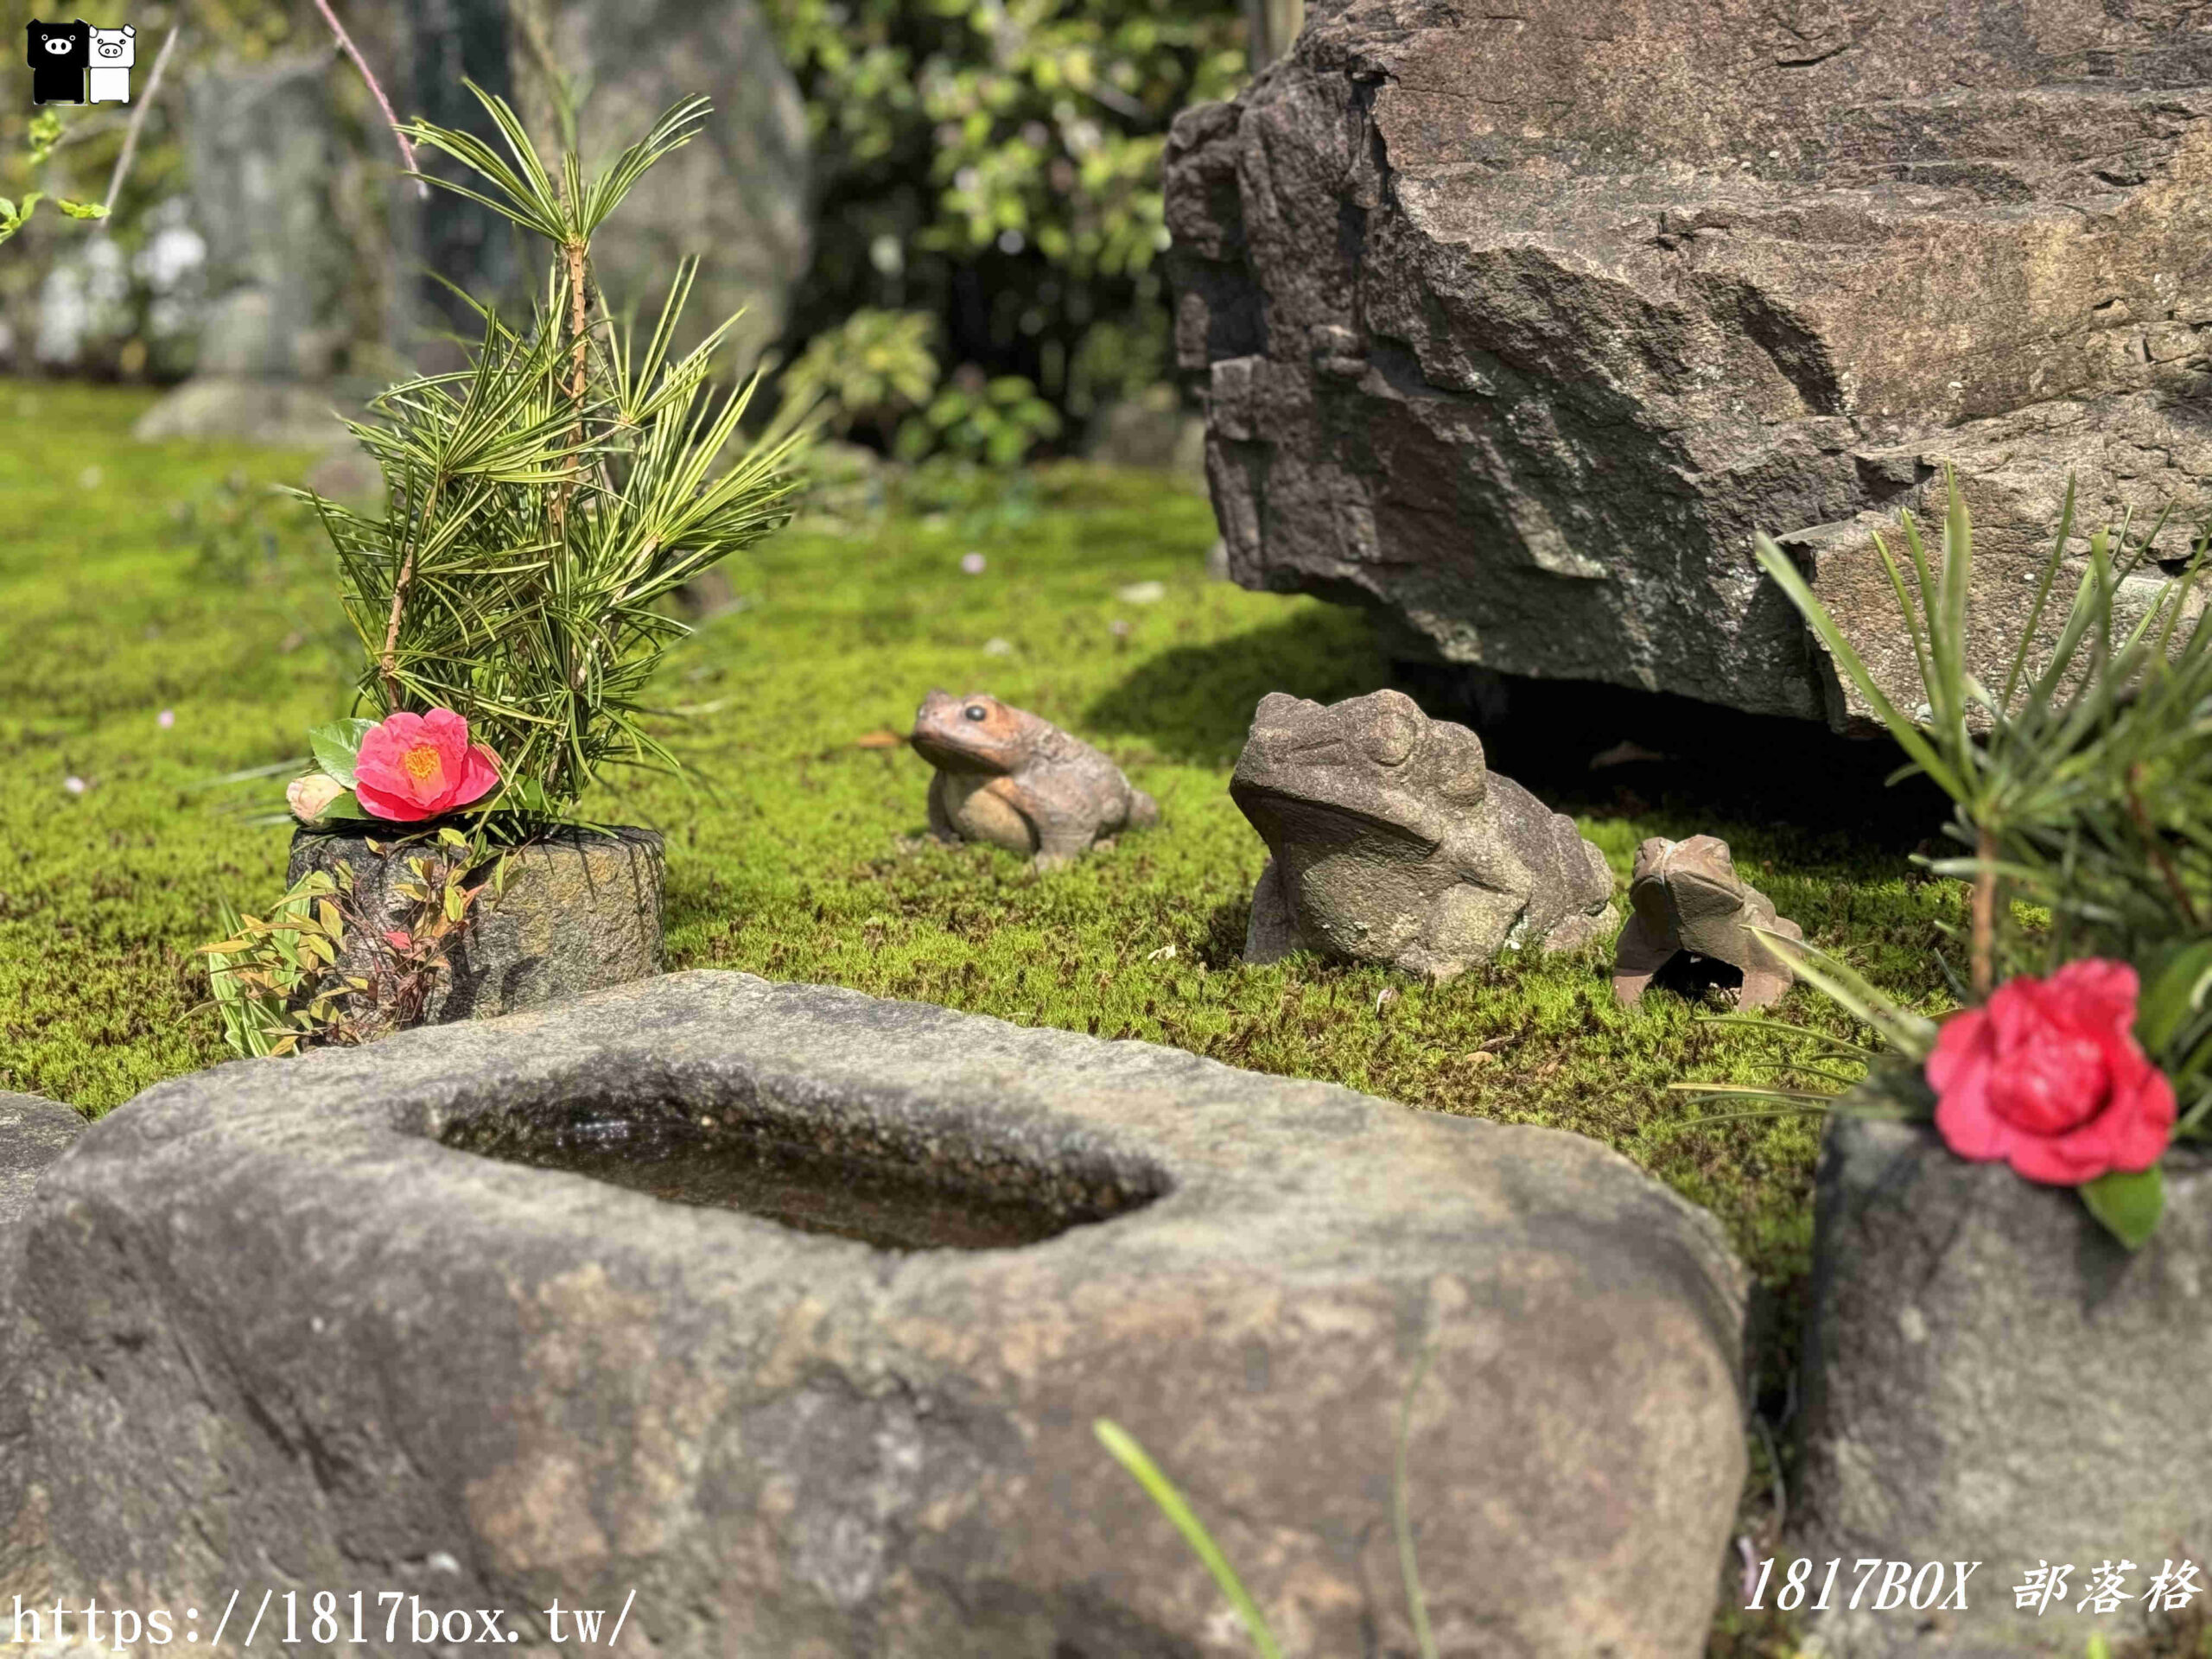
x: 953, y: 1193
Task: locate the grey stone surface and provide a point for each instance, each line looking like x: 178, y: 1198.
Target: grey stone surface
x: 34, y: 1132
x: 1392, y: 842
x: 1685, y: 896
x: 265, y: 161
x: 1517, y: 328
x: 438, y: 47
x: 272, y: 1327
x: 737, y: 195
x: 579, y: 912
x: 1990, y: 1377
x: 1151, y: 430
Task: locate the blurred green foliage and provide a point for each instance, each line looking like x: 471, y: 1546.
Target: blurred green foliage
x: 995, y: 421
x: 866, y: 371
x: 995, y: 165
x: 137, y: 322
x: 44, y: 133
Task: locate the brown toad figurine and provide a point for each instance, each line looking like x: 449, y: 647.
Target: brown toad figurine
x: 1018, y: 781
x: 1686, y: 896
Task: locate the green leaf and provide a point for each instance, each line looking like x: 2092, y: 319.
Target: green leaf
x: 2128, y: 1204
x: 80, y: 209
x: 349, y: 808
x: 336, y: 745
x: 2171, y: 994
x: 1910, y: 1034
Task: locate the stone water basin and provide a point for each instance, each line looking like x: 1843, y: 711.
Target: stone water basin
x: 791, y: 1311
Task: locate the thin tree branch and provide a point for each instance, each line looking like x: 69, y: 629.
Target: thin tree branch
x: 575, y: 255
x: 346, y: 43
x: 388, y: 663
x: 137, y: 120
x: 1984, y: 953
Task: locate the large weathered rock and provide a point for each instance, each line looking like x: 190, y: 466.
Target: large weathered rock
x: 578, y: 911
x: 34, y: 1132
x: 274, y: 1329
x: 1392, y: 842
x: 1517, y: 328
x: 1990, y: 1377
x: 736, y: 195
x: 265, y: 165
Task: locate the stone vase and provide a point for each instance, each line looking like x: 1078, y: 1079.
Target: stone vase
x: 579, y: 912
x: 1990, y: 1377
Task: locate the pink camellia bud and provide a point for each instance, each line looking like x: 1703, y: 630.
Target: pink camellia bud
x: 309, y: 796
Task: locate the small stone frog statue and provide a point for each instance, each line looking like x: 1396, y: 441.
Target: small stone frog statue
x: 1394, y: 843
x: 1686, y: 896
x: 1018, y: 781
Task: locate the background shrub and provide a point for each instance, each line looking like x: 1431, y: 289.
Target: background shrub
x: 995, y: 165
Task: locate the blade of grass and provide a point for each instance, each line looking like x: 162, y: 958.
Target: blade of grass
x: 1125, y: 1451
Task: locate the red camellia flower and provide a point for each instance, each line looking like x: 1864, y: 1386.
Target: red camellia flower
x: 2047, y: 1075
x: 414, y: 766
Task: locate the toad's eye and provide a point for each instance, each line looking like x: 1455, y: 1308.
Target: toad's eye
x: 976, y: 711
x: 1391, y: 738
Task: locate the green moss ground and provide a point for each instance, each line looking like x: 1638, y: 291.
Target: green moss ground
x: 800, y: 853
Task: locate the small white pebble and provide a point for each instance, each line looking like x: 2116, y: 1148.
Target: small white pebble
x: 1142, y: 593
x: 995, y: 647
x: 74, y: 784
x: 89, y: 479
x: 972, y: 564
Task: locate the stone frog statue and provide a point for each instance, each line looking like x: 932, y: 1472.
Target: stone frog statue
x: 1393, y: 844
x: 1685, y: 896
x: 1014, y: 779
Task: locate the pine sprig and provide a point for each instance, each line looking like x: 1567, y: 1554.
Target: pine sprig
x: 2084, y: 785
x: 541, y: 503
